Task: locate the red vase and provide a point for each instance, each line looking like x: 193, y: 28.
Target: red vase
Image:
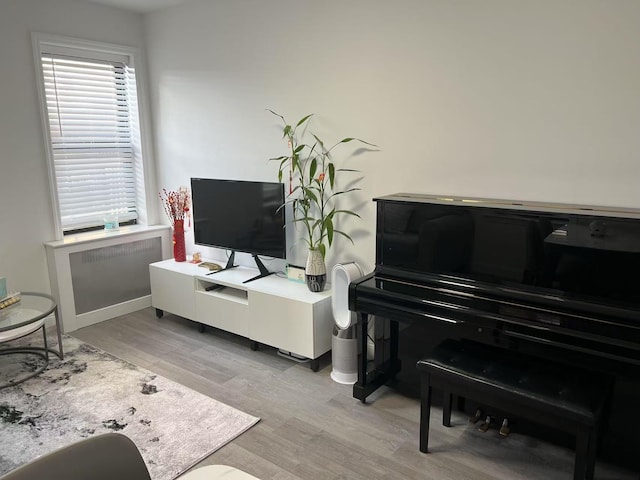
x: 179, y: 250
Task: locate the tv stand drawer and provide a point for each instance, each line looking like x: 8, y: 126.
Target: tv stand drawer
x: 226, y: 308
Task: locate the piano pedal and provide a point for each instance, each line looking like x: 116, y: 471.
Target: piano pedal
x: 476, y: 417
x: 484, y: 426
x: 504, y: 429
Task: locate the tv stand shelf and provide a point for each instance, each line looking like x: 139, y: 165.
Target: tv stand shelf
x: 271, y: 310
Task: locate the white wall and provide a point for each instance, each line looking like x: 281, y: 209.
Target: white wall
x: 512, y: 99
x: 25, y: 212
x: 492, y: 98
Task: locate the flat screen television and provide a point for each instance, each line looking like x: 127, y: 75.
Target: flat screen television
x: 241, y: 216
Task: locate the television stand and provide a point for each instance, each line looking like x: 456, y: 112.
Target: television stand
x: 269, y: 310
x: 264, y: 272
x: 230, y: 263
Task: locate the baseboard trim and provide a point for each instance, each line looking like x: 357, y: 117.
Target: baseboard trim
x: 107, y: 313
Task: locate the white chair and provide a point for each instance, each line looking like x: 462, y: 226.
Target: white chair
x: 216, y: 472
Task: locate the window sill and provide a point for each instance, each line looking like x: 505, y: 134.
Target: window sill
x: 100, y: 235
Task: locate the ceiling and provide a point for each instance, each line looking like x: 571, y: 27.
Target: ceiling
x: 140, y: 6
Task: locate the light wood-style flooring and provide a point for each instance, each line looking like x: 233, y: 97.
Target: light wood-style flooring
x: 311, y: 428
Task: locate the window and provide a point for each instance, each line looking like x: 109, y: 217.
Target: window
x: 90, y: 110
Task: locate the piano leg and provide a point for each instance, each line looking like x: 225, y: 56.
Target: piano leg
x: 582, y: 466
x: 393, y: 347
x: 386, y: 365
x: 363, y: 322
x: 446, y: 409
x: 425, y: 413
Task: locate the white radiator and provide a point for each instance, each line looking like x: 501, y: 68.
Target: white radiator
x: 99, y: 276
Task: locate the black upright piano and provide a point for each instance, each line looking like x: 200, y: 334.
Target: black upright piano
x: 551, y: 280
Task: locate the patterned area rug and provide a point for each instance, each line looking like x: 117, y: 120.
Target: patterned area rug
x: 92, y: 392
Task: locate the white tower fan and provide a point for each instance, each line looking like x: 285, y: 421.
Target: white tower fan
x: 344, y: 345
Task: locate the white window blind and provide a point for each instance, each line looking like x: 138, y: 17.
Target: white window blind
x: 92, y: 117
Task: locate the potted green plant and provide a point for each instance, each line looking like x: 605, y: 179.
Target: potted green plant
x: 313, y: 194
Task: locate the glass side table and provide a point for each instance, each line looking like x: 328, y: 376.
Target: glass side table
x: 24, y: 318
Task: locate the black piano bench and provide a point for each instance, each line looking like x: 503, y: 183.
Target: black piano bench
x: 562, y: 397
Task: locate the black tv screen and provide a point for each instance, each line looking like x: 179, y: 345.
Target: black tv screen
x: 239, y: 215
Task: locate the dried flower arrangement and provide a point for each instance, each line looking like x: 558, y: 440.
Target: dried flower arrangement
x: 176, y: 204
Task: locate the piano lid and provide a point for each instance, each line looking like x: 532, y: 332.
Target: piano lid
x: 568, y: 208
x: 589, y: 254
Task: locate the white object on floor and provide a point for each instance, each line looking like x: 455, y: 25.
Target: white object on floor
x: 216, y: 472
x: 344, y: 347
x: 341, y: 277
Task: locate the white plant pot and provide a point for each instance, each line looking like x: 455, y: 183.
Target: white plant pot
x: 315, y: 272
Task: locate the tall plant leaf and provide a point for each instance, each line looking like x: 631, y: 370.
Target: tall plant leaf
x: 312, y: 169
x: 303, y: 119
